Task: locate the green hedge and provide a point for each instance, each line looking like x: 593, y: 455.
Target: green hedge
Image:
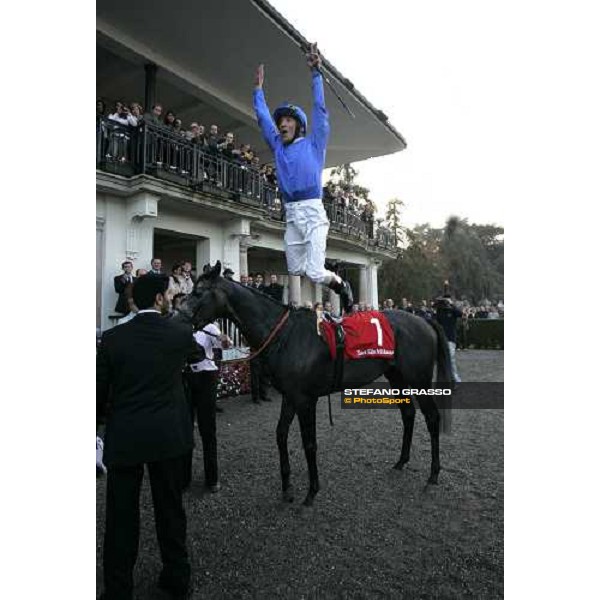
x: 481, y: 333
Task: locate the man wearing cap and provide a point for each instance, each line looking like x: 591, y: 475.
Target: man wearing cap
x: 228, y: 274
x: 300, y: 159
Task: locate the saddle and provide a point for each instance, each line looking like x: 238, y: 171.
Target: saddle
x: 360, y: 335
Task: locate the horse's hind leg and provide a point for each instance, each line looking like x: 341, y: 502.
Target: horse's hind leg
x: 432, y: 418
x: 308, y: 428
x: 408, y: 422
x: 283, y: 427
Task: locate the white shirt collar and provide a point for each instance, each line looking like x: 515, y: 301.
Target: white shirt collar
x: 148, y: 310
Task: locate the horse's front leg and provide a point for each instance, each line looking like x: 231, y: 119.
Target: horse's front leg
x: 308, y: 428
x: 283, y: 427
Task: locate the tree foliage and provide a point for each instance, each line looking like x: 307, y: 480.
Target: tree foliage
x: 469, y: 256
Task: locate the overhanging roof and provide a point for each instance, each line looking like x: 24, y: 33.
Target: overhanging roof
x: 207, y: 52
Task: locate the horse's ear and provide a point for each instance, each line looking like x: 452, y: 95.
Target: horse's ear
x: 212, y: 272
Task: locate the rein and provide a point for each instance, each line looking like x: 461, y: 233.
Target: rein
x: 267, y: 341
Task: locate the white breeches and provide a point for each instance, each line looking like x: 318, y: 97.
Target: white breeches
x: 306, y: 240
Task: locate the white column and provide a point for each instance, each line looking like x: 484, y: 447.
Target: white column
x: 236, y: 233
x: 243, y: 258
x: 363, y: 285
x: 295, y: 290
x: 284, y: 280
x: 373, y: 293
x: 335, y: 303
x: 142, y: 211
x: 317, y: 293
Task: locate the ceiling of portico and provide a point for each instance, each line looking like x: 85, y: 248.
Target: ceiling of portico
x: 207, y: 52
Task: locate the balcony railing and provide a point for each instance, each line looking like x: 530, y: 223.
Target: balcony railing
x: 166, y: 154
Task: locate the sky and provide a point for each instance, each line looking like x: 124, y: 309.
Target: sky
x: 431, y: 67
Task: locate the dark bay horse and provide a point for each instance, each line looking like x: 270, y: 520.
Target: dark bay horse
x: 301, y: 367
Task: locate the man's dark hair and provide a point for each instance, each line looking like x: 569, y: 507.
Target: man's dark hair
x: 126, y: 262
x: 145, y: 289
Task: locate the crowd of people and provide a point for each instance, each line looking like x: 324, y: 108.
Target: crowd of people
x: 210, y: 140
x: 342, y: 205
x: 341, y: 200
x: 487, y: 310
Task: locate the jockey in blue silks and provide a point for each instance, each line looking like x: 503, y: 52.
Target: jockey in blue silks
x: 299, y: 159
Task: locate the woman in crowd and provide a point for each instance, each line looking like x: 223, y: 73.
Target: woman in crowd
x: 170, y: 119
x: 176, y: 281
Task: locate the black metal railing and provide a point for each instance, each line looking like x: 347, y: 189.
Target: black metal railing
x: 171, y: 155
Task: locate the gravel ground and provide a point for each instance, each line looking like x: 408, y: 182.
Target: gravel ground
x: 373, y: 532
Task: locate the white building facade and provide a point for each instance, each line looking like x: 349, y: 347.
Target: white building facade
x: 159, y: 195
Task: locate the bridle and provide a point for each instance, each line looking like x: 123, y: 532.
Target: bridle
x: 268, y: 339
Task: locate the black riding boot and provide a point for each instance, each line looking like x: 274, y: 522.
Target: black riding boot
x: 344, y: 291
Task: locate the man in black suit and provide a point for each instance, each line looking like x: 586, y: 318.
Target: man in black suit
x: 275, y: 289
x: 139, y: 390
x: 121, y: 283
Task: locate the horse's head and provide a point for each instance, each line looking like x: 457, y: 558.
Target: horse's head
x: 208, y: 300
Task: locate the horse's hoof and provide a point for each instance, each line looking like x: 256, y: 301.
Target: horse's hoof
x: 399, y: 465
x: 308, y: 501
x: 287, y: 496
x: 433, y: 480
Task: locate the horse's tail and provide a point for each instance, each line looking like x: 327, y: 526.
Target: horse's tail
x: 444, y: 375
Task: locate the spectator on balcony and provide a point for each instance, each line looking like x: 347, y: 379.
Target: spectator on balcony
x: 169, y: 120
x: 156, y: 266
x: 154, y: 117
x: 212, y: 139
x: 137, y: 112
x: 123, y: 285
x: 122, y: 115
x: 244, y: 280
x: 178, y: 127
x: 196, y: 134
x: 250, y: 280
x: 100, y: 108
x: 246, y: 154
x: 275, y: 289
x: 368, y: 216
x: 328, y: 309
x: 141, y: 272
x: 227, y: 146
x: 270, y: 175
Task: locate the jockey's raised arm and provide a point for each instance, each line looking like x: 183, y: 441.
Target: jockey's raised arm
x: 320, y: 117
x: 265, y: 121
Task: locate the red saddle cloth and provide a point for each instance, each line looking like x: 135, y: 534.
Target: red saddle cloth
x: 368, y: 335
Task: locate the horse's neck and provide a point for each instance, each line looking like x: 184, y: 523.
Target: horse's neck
x: 255, y: 316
